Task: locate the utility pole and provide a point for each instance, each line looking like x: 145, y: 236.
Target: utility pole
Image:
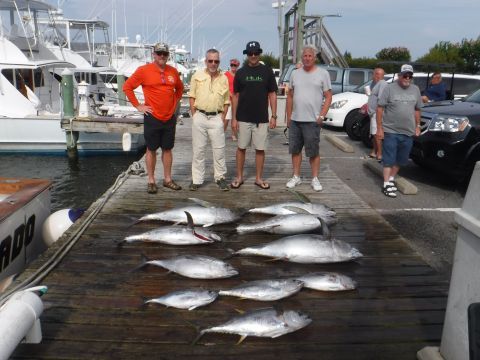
x: 300, y: 30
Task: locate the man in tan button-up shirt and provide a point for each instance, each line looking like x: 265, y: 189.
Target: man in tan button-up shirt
x: 209, y: 101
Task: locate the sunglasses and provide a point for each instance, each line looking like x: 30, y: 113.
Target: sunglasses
x: 210, y: 61
x: 162, y: 53
x: 253, y: 54
x: 407, y: 76
x: 233, y: 65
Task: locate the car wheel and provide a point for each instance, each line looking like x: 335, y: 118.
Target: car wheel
x: 365, y: 134
x: 352, y: 124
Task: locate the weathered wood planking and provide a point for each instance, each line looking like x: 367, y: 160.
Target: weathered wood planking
x: 94, y: 304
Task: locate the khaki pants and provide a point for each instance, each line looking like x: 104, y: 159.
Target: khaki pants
x: 206, y: 128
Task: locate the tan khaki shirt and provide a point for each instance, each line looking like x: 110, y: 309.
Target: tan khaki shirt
x: 210, y: 96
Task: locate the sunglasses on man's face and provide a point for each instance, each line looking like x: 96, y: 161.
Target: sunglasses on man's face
x: 407, y: 76
x: 233, y: 65
x: 162, y: 53
x: 210, y: 61
x: 253, y: 54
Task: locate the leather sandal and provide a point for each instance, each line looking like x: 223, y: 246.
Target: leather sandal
x: 152, y: 188
x: 172, y: 185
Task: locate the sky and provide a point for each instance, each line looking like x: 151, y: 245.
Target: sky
x: 364, y: 28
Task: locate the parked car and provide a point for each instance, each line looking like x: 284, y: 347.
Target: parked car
x: 345, y: 105
x: 450, y: 136
x: 342, y: 79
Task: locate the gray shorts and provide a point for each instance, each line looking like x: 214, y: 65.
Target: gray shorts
x: 302, y: 134
x: 250, y: 133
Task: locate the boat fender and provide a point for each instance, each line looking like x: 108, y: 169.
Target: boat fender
x: 127, y: 141
x: 57, y: 223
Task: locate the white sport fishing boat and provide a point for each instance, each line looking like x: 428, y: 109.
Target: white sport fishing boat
x: 30, y: 89
x: 24, y: 207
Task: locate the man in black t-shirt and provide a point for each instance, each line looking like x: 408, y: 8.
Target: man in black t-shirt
x: 254, y: 89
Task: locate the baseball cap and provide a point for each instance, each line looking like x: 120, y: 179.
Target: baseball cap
x: 406, y: 68
x: 160, y: 47
x: 253, y: 46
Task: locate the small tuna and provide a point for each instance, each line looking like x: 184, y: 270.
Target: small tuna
x: 194, y: 266
x: 265, y: 290
x: 327, y: 281
x: 177, y: 235
x: 204, y: 213
x: 284, y: 224
x: 186, y: 299
x: 261, y: 323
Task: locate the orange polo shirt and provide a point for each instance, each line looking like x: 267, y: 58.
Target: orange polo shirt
x: 162, y: 89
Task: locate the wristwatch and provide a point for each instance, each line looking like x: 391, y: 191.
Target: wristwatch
x: 275, y: 117
x: 321, y: 117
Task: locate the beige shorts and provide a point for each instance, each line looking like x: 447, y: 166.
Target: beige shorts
x: 249, y: 133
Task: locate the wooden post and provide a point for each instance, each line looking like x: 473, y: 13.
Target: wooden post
x: 122, y: 100
x: 68, y: 112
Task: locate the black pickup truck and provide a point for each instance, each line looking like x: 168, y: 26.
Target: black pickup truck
x: 450, y: 137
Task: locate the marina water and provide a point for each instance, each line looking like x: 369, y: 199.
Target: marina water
x: 76, y: 183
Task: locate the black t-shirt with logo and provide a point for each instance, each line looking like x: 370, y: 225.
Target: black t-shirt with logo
x: 253, y: 85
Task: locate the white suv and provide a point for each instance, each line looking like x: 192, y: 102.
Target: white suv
x: 346, y: 104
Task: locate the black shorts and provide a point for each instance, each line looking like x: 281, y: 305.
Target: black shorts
x: 159, y: 134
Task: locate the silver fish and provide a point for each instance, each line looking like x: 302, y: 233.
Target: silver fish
x: 284, y: 224
x: 285, y: 208
x: 265, y: 290
x: 327, y: 281
x: 177, y: 235
x: 195, y: 266
x: 186, y: 299
x: 305, y: 248
x: 204, y: 214
x: 261, y: 323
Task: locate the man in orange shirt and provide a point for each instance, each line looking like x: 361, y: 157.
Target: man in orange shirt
x: 163, y: 89
x: 230, y: 74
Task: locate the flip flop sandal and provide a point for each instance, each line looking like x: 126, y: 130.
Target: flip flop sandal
x: 236, y: 184
x: 172, y: 185
x: 152, y: 188
x: 263, y: 185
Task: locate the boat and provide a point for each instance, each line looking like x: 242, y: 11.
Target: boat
x: 30, y: 88
x: 25, y: 204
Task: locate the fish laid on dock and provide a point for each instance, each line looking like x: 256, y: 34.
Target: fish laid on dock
x: 194, y: 266
x: 305, y: 248
x: 204, y: 213
x: 287, y: 208
x: 284, y: 224
x: 177, y: 235
x: 186, y: 299
x: 265, y: 290
x: 261, y: 323
x: 327, y: 281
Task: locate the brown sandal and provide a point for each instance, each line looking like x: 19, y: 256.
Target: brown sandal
x: 152, y: 188
x: 172, y: 185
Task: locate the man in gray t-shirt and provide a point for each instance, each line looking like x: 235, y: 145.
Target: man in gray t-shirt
x: 306, y: 111
x: 398, y: 120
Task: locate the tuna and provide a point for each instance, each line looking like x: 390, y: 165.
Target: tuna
x: 186, y: 299
x: 265, y: 290
x: 284, y: 224
x: 327, y: 281
x: 204, y: 213
x: 306, y: 248
x: 261, y: 323
x: 194, y: 266
x: 177, y: 235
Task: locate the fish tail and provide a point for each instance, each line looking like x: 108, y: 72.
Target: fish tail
x: 199, y: 336
x: 144, y: 262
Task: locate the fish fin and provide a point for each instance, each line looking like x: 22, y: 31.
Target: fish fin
x: 208, y: 225
x: 243, y: 337
x: 190, y: 223
x: 144, y: 302
x: 240, y: 311
x: 120, y: 243
x: 177, y: 223
x: 201, y: 202
x: 200, y: 334
x: 274, y: 259
x: 144, y: 263
x: 231, y: 254
x: 297, y: 210
x: 301, y: 197
x: 325, y: 231
x: 192, y: 307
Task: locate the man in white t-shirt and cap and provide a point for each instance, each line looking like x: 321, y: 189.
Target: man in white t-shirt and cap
x: 398, y: 120
x: 306, y: 111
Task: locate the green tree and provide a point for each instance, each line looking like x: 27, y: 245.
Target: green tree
x: 398, y: 53
x: 270, y: 60
x: 443, y: 52
x: 469, y: 50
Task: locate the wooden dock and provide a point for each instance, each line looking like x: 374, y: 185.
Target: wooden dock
x: 94, y: 303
